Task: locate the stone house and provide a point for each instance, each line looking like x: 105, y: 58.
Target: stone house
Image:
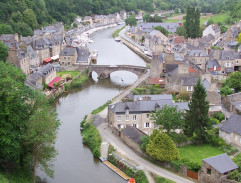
x: 157, y: 42
x: 198, y: 57
x: 213, y: 65
x: 213, y: 29
x: 88, y: 20
x: 9, y: 38
x: 41, y: 48
x: 132, y: 137
x: 230, y: 131
x: 231, y: 34
x: 33, y: 57
x: 229, y: 60
x: 174, y: 43
x: 19, y: 58
x: 137, y: 113
x: 48, y: 73
x: 215, y: 169
x: 35, y: 81
x: 68, y: 56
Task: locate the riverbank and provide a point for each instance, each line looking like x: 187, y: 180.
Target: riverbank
x: 116, y: 33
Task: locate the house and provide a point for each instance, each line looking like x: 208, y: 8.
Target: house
x: 88, y: 20
x: 83, y: 55
x: 19, y: 58
x: 213, y: 29
x: 157, y: 41
x: 132, y: 137
x: 213, y: 65
x: 33, y: 57
x: 230, y: 131
x: 137, y: 113
x: 35, y: 81
x: 198, y: 57
x: 152, y: 97
x: 215, y: 169
x: 48, y: 73
x: 68, y: 56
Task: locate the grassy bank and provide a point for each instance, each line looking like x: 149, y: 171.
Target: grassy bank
x: 159, y: 179
x: 72, y: 74
x: 79, y: 81
x: 116, y: 33
x: 15, y: 177
x: 101, y: 108
x: 91, y: 137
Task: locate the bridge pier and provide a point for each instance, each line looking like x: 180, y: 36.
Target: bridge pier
x: 103, y: 75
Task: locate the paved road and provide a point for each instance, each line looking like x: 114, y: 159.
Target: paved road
x: 126, y: 151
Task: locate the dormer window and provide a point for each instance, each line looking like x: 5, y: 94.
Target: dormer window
x: 228, y: 58
x: 127, y: 110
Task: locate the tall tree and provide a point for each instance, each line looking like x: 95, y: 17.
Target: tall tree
x: 41, y: 134
x: 168, y: 118
x: 161, y: 147
x: 192, y: 24
x: 196, y: 118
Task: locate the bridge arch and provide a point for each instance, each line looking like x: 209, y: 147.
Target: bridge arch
x: 104, y: 71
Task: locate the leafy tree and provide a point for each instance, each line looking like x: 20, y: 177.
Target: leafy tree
x: 144, y: 142
x: 3, y: 52
x: 41, y: 134
x: 157, y: 18
x: 176, y: 10
x: 131, y: 21
x: 161, y: 147
x: 181, y: 31
x: 14, y: 111
x: 192, y: 24
x: 147, y: 18
x: 234, y: 81
x: 196, y: 118
x: 162, y: 30
x: 5, y: 29
x: 30, y: 18
x: 168, y: 118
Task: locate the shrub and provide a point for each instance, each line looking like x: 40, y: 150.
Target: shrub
x: 214, y: 121
x: 178, y: 138
x: 237, y: 161
x: 144, y: 142
x: 162, y: 180
x: 78, y: 82
x: 96, y: 152
x: 234, y: 175
x: 66, y: 87
x: 83, y: 121
x: 184, y: 95
x: 140, y: 177
x: 219, y: 116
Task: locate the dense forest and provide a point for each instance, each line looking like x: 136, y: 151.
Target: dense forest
x: 23, y: 16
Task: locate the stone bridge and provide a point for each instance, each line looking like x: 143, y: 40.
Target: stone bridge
x: 104, y: 71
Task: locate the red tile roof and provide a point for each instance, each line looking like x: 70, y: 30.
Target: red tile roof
x: 179, y: 40
x: 55, y: 80
x: 159, y: 81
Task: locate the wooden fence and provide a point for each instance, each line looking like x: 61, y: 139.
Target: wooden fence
x: 192, y: 174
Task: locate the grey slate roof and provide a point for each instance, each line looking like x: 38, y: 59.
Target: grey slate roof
x: 212, y: 63
x: 197, y: 53
x: 208, y: 38
x: 229, y: 55
x: 153, y: 97
x: 83, y: 54
x: 133, y: 133
x: 144, y: 106
x: 32, y: 80
x: 46, y: 70
x: 222, y: 163
x: 68, y: 51
x: 189, y: 81
x: 232, y: 125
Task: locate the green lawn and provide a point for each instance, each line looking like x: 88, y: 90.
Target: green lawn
x: 198, y: 153
x: 159, y: 179
x: 170, y: 20
x: 216, y: 18
x: 72, y: 73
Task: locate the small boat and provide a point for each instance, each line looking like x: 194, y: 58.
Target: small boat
x: 117, y: 39
x: 91, y: 41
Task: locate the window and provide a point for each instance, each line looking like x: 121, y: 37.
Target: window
x: 127, y: 117
x: 215, y: 68
x: 237, y: 61
x: 208, y: 171
x: 147, y: 115
x: 135, y: 125
x: 68, y: 63
x: 236, y: 138
x: 147, y: 125
x: 64, y: 57
x: 134, y: 117
x: 227, y: 64
x: 189, y: 88
x: 118, y: 118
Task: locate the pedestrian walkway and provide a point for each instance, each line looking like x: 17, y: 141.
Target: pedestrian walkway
x: 116, y: 170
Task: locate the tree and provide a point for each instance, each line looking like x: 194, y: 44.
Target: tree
x: 14, y: 111
x: 41, y: 134
x: 161, y: 147
x: 30, y: 18
x: 162, y: 30
x: 168, y: 118
x: 176, y: 10
x: 5, y: 29
x: 234, y: 81
x: 181, y: 31
x: 3, y: 52
x: 131, y: 21
x: 157, y: 18
x: 226, y: 91
x: 147, y: 17
x: 239, y: 38
x: 196, y: 118
x: 192, y: 24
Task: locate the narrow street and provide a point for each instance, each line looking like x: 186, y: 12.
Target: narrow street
x: 126, y: 151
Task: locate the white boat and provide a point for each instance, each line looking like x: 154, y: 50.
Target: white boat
x: 117, y: 39
x: 91, y: 41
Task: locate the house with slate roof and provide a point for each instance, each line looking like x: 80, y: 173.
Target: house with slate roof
x: 230, y: 131
x: 68, y: 56
x: 198, y: 57
x: 216, y: 169
x: 213, y: 29
x: 137, y: 113
x: 132, y: 137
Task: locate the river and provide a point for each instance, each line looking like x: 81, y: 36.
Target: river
x: 75, y: 163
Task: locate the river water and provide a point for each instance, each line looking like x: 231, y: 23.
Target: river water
x: 75, y: 162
